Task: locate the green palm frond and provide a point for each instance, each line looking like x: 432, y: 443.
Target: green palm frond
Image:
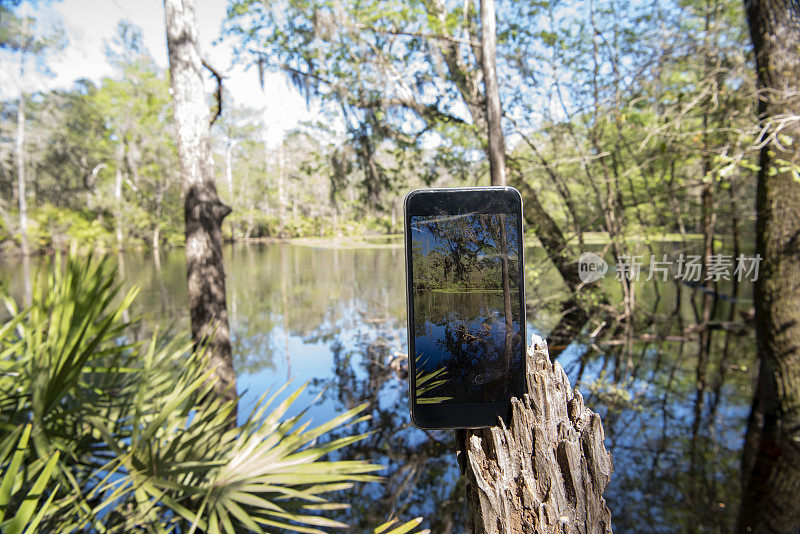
x: 426, y: 382
x: 130, y: 436
x: 22, y: 491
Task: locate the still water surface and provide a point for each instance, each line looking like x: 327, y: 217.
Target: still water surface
x: 334, y: 318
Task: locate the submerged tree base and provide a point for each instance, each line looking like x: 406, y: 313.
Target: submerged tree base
x: 546, y: 471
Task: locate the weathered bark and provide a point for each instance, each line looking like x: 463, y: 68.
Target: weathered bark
x: 771, y: 462
x: 203, y: 211
x: 546, y: 471
x: 494, y: 114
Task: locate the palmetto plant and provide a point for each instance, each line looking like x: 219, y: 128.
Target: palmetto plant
x: 29, y: 514
x: 428, y: 381
x: 101, y: 434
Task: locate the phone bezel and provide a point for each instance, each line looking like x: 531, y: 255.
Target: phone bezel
x: 455, y: 201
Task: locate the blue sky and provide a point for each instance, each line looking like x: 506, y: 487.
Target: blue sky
x: 89, y: 24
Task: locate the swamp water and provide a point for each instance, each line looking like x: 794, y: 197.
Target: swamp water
x: 335, y: 317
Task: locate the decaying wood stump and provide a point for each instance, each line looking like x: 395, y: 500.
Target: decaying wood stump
x: 545, y: 472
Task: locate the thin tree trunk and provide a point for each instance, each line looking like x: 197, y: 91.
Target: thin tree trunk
x: 551, y: 237
x: 708, y: 297
x: 545, y: 472
x: 156, y: 239
x: 536, y: 216
x: 229, y: 166
x: 120, y: 155
x: 771, y: 463
x: 509, y: 325
x: 121, y: 274
x: 281, y: 193
x: 203, y: 211
x: 20, y: 149
x: 494, y: 113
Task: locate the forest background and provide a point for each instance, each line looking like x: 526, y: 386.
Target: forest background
x: 598, y: 102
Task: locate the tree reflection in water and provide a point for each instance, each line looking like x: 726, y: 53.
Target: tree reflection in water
x: 421, y: 476
x: 464, y: 335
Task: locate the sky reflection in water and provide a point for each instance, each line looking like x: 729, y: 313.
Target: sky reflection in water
x: 336, y: 319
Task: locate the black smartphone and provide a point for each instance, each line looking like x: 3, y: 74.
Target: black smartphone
x: 466, y: 305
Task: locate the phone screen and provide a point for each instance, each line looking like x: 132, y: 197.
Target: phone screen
x: 467, y: 321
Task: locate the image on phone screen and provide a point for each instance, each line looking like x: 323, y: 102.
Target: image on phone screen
x: 467, y: 319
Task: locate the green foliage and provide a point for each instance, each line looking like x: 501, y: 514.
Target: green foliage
x: 53, y: 227
x: 15, y: 477
x: 462, y: 254
x: 429, y: 381
x: 120, y: 434
x: 60, y: 226
x: 369, y: 63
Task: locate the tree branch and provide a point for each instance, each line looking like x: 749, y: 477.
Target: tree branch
x: 219, y: 78
x: 430, y: 36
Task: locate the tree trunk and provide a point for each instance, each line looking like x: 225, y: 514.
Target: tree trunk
x: 229, y: 166
x: 203, y: 211
x: 494, y: 113
x: 120, y: 156
x: 550, y: 235
x: 545, y: 472
x: 771, y: 460
x: 281, y: 193
x: 156, y: 239
x: 23, y: 201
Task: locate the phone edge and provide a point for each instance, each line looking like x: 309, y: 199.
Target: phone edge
x: 409, y: 308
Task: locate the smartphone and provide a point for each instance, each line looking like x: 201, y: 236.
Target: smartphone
x: 466, y: 305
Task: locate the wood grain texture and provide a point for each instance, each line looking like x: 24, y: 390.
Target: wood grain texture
x: 546, y: 471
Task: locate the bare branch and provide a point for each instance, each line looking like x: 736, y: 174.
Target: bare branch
x: 430, y: 36
x: 219, y: 77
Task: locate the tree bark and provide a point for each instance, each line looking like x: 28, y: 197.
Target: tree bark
x: 494, y: 114
x: 545, y: 472
x: 771, y: 459
x: 203, y: 211
x: 20, y: 156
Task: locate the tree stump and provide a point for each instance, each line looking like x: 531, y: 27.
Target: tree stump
x: 545, y: 472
